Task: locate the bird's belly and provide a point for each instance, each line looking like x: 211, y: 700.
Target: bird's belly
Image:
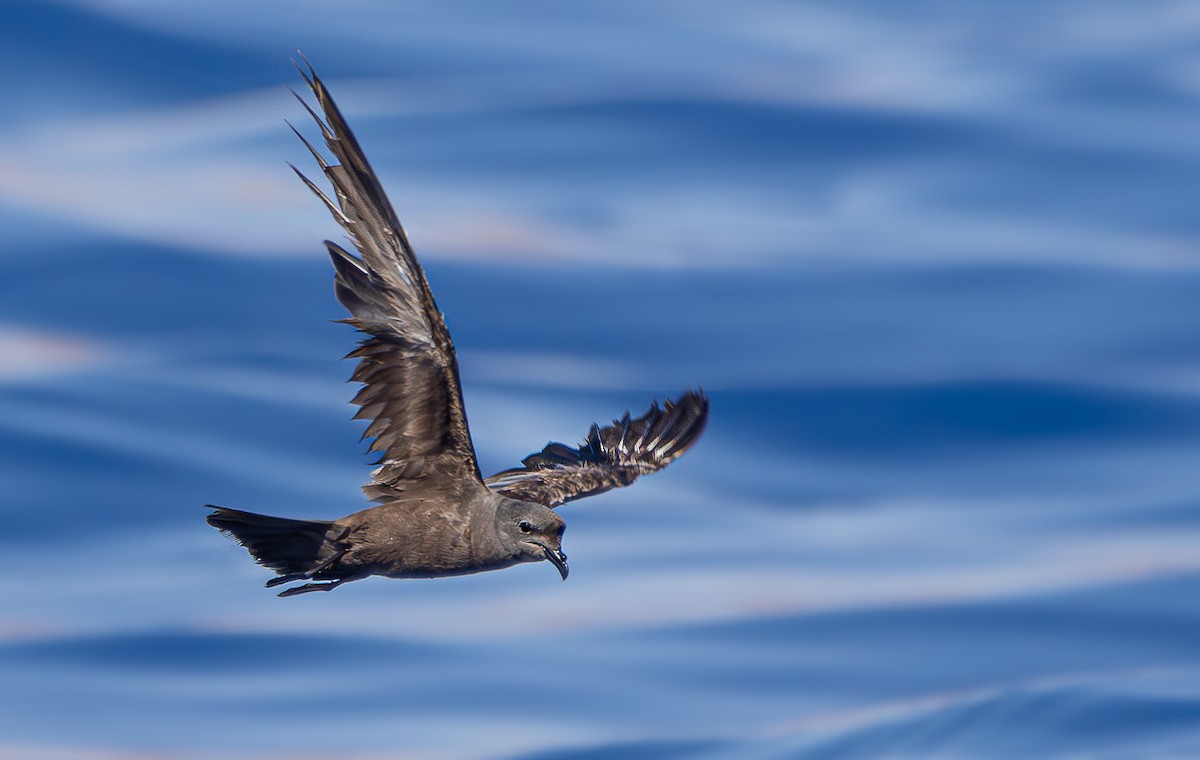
x: 442, y: 570
x: 419, y: 554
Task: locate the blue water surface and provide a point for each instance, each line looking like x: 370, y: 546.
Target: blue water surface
x: 935, y: 262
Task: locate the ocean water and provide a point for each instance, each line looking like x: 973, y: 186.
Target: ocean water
x: 936, y: 263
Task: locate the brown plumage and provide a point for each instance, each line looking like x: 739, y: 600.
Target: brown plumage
x: 436, y: 515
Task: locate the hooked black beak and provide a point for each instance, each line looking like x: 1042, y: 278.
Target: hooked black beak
x: 558, y: 559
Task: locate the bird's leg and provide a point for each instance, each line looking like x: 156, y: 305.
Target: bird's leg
x: 311, y: 572
x: 326, y: 586
x: 286, y: 579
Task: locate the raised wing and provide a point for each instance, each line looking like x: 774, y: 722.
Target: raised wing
x: 407, y: 364
x: 611, y: 457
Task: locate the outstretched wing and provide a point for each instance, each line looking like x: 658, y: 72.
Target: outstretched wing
x: 407, y: 364
x: 611, y: 457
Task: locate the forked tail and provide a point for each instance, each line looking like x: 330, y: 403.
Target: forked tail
x: 295, y: 549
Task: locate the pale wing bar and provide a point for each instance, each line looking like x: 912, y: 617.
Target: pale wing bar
x: 611, y: 457
x: 408, y: 367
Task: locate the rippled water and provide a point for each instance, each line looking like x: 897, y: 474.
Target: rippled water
x: 936, y: 268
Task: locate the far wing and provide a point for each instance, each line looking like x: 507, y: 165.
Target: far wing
x: 407, y: 364
x: 611, y: 457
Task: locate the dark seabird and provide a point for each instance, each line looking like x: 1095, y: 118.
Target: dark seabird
x: 435, y: 515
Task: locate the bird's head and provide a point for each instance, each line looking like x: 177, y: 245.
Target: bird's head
x: 532, y: 532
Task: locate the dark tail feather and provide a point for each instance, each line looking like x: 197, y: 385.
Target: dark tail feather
x: 289, y: 547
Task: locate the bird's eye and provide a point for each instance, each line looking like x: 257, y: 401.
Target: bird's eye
x: 525, y: 526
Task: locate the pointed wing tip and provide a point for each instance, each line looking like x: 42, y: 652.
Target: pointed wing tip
x: 675, y: 427
x: 692, y: 398
x: 309, y: 75
x: 697, y: 400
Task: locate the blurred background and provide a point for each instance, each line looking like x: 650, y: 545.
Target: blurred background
x: 936, y: 264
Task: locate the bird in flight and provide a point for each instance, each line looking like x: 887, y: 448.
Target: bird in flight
x: 435, y: 514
